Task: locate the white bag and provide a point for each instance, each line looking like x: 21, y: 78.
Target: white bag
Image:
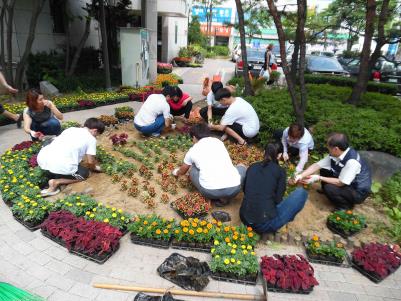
x: 265, y: 74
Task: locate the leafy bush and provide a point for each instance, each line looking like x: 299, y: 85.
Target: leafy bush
x: 219, y: 50
x: 390, y: 192
x: 384, y: 88
x: 43, y: 64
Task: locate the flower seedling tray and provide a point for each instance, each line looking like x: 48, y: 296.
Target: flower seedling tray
x: 156, y: 243
x: 326, y: 260
x: 227, y: 277
x: 55, y: 239
x: 371, y: 276
x: 273, y: 288
x: 184, y: 216
x: 95, y: 258
x: 29, y: 226
x: 340, y: 232
x: 191, y: 246
x: 8, y: 203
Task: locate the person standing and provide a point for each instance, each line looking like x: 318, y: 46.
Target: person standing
x: 181, y: 104
x: 270, y: 59
x: 6, y: 88
x: 240, y: 121
x: 295, y: 140
x: 263, y: 207
x: 211, y: 169
x: 346, y: 178
x: 41, y: 116
x: 61, y: 158
x: 154, y: 114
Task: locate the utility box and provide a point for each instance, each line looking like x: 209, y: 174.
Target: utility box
x: 135, y: 59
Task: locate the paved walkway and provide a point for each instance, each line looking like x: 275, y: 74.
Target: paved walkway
x: 35, y: 263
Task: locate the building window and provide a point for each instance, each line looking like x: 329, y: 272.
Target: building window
x: 56, y: 11
x: 176, y: 33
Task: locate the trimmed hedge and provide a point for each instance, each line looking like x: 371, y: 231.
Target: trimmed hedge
x: 374, y: 125
x: 384, y: 88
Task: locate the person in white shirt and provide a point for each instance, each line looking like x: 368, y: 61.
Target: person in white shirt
x: 62, y: 157
x: 345, y: 176
x: 154, y: 114
x: 213, y: 108
x: 295, y: 140
x: 212, y: 171
x: 240, y: 120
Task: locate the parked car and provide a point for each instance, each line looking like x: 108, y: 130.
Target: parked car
x: 324, y: 65
x: 323, y: 53
x: 256, y: 59
x: 387, y: 71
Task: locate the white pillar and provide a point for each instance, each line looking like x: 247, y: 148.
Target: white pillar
x: 151, y: 24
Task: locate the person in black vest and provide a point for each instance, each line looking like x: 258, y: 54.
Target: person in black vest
x: 263, y: 207
x: 345, y: 176
x: 41, y: 117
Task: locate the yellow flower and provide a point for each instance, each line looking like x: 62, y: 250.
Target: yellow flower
x: 243, y: 247
x: 30, y: 211
x: 226, y: 261
x: 113, y: 209
x: 92, y: 215
x: 114, y: 215
x: 165, y: 231
x: 216, y: 242
x: 122, y: 218
x: 199, y: 230
x: 238, y: 261
x: 185, y: 230
x: 94, y: 210
x: 233, y: 251
x: 234, y: 246
x: 158, y: 231
x: 232, y: 260
x: 317, y: 244
x: 191, y: 232
x: 120, y: 211
x: 253, y: 253
x: 106, y: 220
x: 249, y: 247
x: 177, y: 231
x: 245, y: 252
x: 212, y: 250
x: 315, y: 237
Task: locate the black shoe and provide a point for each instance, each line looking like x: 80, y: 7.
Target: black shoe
x: 19, y: 121
x: 220, y: 203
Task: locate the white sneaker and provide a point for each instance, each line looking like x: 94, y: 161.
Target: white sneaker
x: 46, y: 192
x: 155, y: 135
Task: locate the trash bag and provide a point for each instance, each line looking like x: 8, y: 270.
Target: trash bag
x: 187, y: 272
x: 221, y: 216
x: 165, y: 297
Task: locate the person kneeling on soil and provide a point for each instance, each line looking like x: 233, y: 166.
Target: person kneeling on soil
x: 154, y: 114
x: 263, y: 207
x: 62, y: 157
x: 295, y: 140
x: 181, y: 104
x: 240, y: 121
x: 212, y: 171
x: 344, y: 175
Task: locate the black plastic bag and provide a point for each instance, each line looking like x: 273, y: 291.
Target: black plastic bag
x: 187, y: 272
x: 221, y: 216
x: 165, y: 297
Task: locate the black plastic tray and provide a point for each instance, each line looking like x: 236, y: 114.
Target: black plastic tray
x: 99, y: 260
x: 234, y: 279
x: 341, y: 233
x: 55, y: 239
x: 156, y: 243
x: 29, y: 226
x: 373, y: 277
x: 184, y: 216
x: 182, y: 246
x: 345, y: 263
x: 268, y: 287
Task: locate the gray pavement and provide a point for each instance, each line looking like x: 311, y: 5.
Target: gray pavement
x: 35, y: 263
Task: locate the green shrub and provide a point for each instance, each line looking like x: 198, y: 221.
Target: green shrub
x: 350, y: 82
x: 44, y: 64
x: 390, y: 192
x: 219, y: 50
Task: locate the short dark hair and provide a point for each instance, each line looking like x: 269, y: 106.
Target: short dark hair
x: 339, y: 140
x: 216, y: 86
x: 271, y: 153
x: 199, y: 131
x: 94, y: 123
x: 177, y: 92
x: 296, y: 130
x: 168, y: 90
x: 222, y: 93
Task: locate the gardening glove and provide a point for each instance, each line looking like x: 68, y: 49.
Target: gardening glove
x: 34, y: 134
x: 285, y: 156
x: 175, y: 172
x: 298, y: 177
x: 312, y: 179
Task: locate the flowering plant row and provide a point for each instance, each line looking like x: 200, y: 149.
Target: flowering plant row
x: 88, y: 237
x: 346, y: 222
x: 236, y: 234
x: 331, y: 251
x: 108, y: 120
x: 377, y: 259
x: 191, y: 205
x: 288, y: 272
x: 168, y: 79
x: 124, y: 112
x: 31, y: 211
x: 152, y: 227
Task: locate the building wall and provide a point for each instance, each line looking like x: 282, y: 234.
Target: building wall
x: 171, y: 42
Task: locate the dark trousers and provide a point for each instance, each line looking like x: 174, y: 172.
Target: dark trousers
x: 236, y: 127
x: 186, y: 110
x: 215, y: 112
x: 48, y: 127
x: 344, y: 197
x: 293, y: 152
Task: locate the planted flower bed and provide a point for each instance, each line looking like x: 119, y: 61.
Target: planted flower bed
x: 31, y: 212
x: 287, y: 274
x: 151, y: 230
x: 77, y: 204
x: 331, y: 253
x: 192, y: 204
x: 164, y: 68
x: 92, y: 240
x: 193, y: 234
x: 108, y: 120
x: 345, y: 223
x: 234, y: 263
x: 376, y: 261
x: 124, y: 113
x: 109, y: 215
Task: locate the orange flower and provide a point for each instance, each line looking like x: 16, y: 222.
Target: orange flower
x: 339, y: 245
x: 338, y: 218
x: 250, y: 234
x: 209, y: 226
x: 205, y: 231
x: 199, y: 230
x: 317, y: 244
x: 349, y: 212
x: 315, y: 237
x: 191, y: 232
x: 249, y: 229
x: 227, y: 239
x: 158, y: 231
x: 226, y: 229
x: 177, y: 231
x: 356, y: 222
x: 165, y: 231
x: 145, y: 222
x: 235, y: 237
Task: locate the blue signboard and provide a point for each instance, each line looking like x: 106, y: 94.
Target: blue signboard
x: 220, y: 14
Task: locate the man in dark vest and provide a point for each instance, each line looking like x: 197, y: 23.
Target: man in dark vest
x: 345, y: 176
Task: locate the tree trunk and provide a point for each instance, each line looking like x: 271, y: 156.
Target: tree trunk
x: 363, y: 76
x: 2, y: 45
x: 209, y: 26
x: 81, y: 45
x: 66, y: 22
x: 350, y: 41
x: 9, y: 64
x: 241, y: 27
x: 38, y: 6
x: 298, y: 106
x: 105, y: 50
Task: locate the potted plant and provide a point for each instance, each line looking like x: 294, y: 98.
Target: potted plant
x: 192, y: 204
x: 331, y: 253
x: 345, y: 223
x: 151, y: 230
x: 119, y: 140
x: 376, y: 261
x: 31, y: 212
x: 182, y: 61
x: 164, y: 68
x: 193, y: 234
x: 124, y: 113
x: 288, y: 274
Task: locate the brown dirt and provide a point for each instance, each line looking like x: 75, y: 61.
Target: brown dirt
x: 311, y: 220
